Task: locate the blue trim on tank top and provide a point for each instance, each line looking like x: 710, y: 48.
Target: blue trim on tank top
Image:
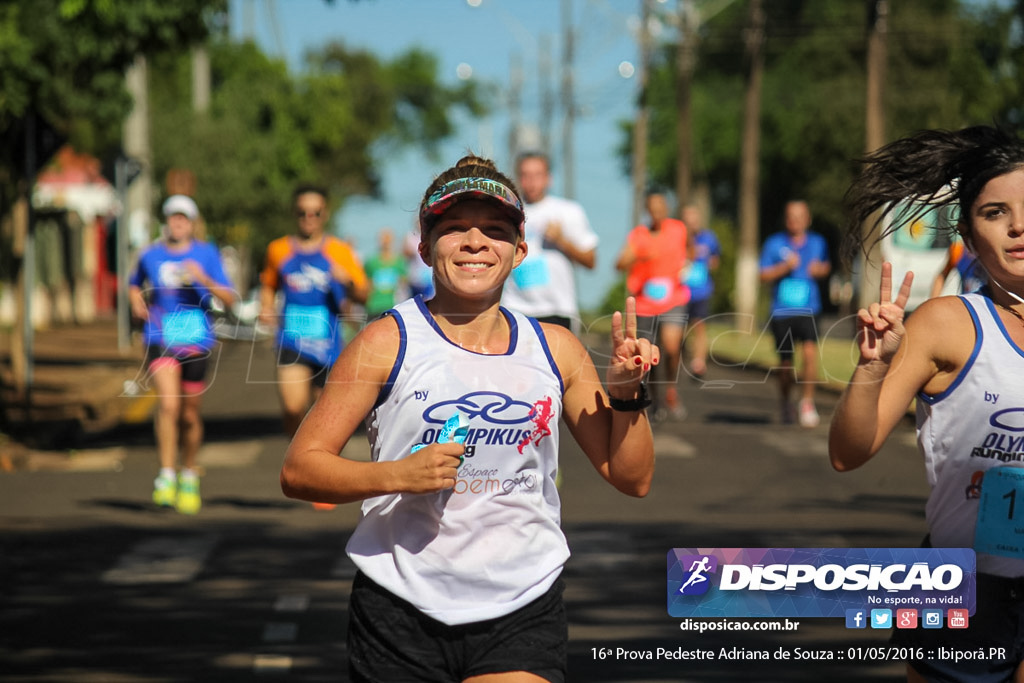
x: 979, y: 338
x: 513, y: 329
x: 547, y: 352
x: 403, y: 338
x: 1002, y: 327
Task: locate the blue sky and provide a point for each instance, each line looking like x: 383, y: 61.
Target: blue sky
x: 486, y: 37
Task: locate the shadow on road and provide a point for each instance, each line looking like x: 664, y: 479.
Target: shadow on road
x: 64, y: 621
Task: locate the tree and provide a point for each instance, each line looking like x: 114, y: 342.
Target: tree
x: 63, y: 61
x: 950, y: 63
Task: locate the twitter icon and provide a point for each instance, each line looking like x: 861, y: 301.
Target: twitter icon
x: 881, y: 618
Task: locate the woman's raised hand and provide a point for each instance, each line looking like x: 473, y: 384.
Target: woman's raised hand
x: 632, y: 358
x: 880, y: 325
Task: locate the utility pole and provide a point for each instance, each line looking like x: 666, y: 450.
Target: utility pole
x: 547, y: 95
x: 874, y: 129
x: 746, y: 261
x: 23, y: 348
x: 137, y: 197
x: 515, y: 89
x: 686, y: 62
x: 200, y: 78
x: 640, y: 122
x: 568, y: 101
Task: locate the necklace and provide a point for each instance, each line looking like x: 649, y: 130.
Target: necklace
x: 1011, y: 311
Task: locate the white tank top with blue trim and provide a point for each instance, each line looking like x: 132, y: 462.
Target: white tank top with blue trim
x: 973, y: 426
x: 493, y: 543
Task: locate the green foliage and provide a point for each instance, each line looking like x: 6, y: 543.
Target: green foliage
x: 65, y: 60
x: 950, y: 64
x: 724, y: 277
x: 614, y: 298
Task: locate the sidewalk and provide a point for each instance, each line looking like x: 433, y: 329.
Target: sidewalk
x: 77, y: 389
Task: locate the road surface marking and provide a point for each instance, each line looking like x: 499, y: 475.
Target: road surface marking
x: 233, y: 454
x: 292, y: 603
x: 165, y: 559
x: 280, y: 632
x: 797, y: 442
x: 271, y: 664
x: 667, y: 445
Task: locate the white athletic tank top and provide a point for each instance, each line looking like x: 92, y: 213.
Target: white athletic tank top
x: 973, y: 426
x: 493, y: 543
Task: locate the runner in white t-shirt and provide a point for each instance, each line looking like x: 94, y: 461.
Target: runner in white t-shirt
x: 559, y: 236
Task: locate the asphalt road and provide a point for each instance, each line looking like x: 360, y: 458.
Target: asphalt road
x: 100, y: 585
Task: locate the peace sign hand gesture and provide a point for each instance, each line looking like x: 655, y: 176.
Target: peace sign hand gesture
x: 880, y: 326
x: 632, y: 358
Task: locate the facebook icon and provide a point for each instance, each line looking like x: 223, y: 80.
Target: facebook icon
x: 856, y: 618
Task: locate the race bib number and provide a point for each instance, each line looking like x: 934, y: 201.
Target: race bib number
x: 794, y: 293
x: 532, y: 273
x: 186, y: 327
x: 657, y: 289
x: 696, y: 275
x: 1000, y: 526
x: 310, y: 322
x: 385, y: 280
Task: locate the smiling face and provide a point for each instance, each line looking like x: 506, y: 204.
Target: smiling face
x: 472, y: 248
x: 996, y: 231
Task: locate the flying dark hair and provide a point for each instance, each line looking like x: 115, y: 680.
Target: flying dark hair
x: 934, y: 167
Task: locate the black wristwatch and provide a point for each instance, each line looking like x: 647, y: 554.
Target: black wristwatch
x: 633, y: 404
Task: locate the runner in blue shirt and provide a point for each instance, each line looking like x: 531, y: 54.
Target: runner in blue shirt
x: 183, y: 275
x: 793, y: 261
x: 316, y: 275
x: 705, y: 254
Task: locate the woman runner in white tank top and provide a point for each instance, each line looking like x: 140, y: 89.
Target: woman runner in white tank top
x: 962, y: 358
x: 470, y: 544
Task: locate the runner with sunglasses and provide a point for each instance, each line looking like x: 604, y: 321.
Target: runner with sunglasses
x: 316, y: 274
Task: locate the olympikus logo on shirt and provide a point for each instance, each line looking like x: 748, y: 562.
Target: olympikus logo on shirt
x: 517, y: 423
x: 1000, y: 446
x: 489, y: 406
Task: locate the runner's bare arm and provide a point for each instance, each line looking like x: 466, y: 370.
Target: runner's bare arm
x: 312, y: 468
x: 619, y: 444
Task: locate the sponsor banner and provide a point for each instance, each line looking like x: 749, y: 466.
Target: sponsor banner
x: 817, y: 582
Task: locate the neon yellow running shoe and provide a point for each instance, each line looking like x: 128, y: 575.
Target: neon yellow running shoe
x: 164, y: 491
x: 188, y: 501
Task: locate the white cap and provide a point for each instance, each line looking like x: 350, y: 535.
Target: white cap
x: 179, y: 203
